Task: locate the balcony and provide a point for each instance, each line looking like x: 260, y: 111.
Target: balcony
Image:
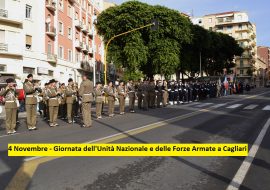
x: 85, y: 28
x: 8, y: 17
x: 91, y: 51
x: 78, y: 45
x: 72, y: 1
x: 90, y: 33
x: 51, y: 31
x: 52, y: 58
x: 10, y: 49
x: 243, y: 38
x: 51, y: 5
x: 226, y: 20
x: 85, y: 48
x: 78, y: 24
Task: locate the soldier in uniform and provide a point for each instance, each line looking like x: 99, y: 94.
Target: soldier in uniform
x: 171, y: 92
x: 70, y: 94
x: 139, y: 94
x: 121, y: 96
x: 145, y: 94
x: 86, y: 92
x: 131, y: 95
x: 152, y: 94
x: 111, y: 94
x: 159, y: 93
x: 181, y: 92
x: 62, y: 106
x: 53, y: 102
x: 99, y: 99
x: 10, y: 99
x: 30, y: 103
x: 164, y: 93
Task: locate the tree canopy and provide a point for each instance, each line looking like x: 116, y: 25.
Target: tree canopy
x: 173, y: 47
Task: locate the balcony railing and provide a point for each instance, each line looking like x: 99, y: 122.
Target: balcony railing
x: 51, y: 58
x: 78, y: 24
x: 3, y: 13
x: 51, y: 5
x: 15, y: 18
x: 225, y: 20
x: 78, y: 44
x: 85, y: 48
x: 85, y: 28
x: 10, y: 49
x: 50, y: 31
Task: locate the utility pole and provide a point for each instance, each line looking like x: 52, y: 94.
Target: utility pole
x: 153, y: 25
x: 200, y: 64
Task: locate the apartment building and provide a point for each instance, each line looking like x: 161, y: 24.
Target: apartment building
x: 50, y: 39
x: 237, y: 25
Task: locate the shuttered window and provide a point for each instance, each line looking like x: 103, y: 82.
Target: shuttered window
x: 28, y: 42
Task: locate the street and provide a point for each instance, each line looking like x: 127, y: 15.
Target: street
x: 231, y: 119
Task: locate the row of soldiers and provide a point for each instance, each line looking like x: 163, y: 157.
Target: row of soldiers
x: 70, y: 98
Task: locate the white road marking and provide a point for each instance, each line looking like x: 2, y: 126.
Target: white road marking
x: 267, y: 108
x: 234, y: 106
x: 203, y: 105
x: 243, y: 170
x: 218, y: 105
x: 251, y: 107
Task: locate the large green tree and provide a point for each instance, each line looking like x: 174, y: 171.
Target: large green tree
x: 216, y: 50
x: 152, y: 52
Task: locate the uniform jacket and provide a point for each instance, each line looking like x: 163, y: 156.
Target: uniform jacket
x: 70, y: 94
x: 29, y: 90
x: 10, y: 98
x: 110, y: 91
x: 52, y: 95
x: 86, y: 91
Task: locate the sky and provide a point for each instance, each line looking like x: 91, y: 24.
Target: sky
x: 258, y: 11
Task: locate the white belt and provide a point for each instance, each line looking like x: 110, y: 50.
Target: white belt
x: 30, y: 96
x: 87, y: 94
x: 11, y: 101
x: 53, y: 98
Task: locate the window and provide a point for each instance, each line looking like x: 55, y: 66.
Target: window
x: 28, y: 70
x: 241, y: 72
x: 28, y: 42
x: 77, y: 57
x: 50, y: 73
x: 69, y: 33
x: 69, y: 11
x: 241, y: 63
x: 61, y: 31
x: 2, y: 36
x: 76, y: 16
x: 69, y: 55
x: 200, y: 21
x: 239, y: 17
x: 61, y: 4
x: 229, y: 27
x: 3, y: 68
x: 210, y: 20
x: 61, y: 52
x: 49, y: 48
x: 240, y: 26
x: 28, y: 13
x: 62, y: 75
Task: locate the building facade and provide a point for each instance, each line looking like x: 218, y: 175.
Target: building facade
x: 50, y: 39
x: 237, y: 25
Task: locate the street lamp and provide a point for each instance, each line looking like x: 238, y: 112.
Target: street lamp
x: 154, y: 26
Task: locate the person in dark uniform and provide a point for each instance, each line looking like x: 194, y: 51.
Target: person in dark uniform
x: 175, y: 93
x: 171, y: 92
x: 131, y: 95
x: 145, y: 95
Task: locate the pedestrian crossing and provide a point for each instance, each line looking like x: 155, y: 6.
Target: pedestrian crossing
x: 245, y: 107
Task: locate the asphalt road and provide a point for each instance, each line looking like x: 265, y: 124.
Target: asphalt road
x: 232, y: 119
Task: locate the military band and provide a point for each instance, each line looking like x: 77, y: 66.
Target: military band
x: 67, y: 101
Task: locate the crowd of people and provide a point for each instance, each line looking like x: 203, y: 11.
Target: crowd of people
x: 67, y: 102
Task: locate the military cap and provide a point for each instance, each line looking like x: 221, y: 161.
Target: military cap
x: 29, y: 76
x: 10, y: 80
